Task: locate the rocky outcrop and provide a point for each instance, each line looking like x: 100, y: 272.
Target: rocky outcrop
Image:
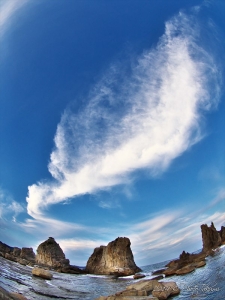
x: 24, y: 256
x: 185, y: 264
x: 114, y: 259
x: 211, y: 238
x: 42, y: 273
x: 145, y: 289
x: 222, y: 234
x: 50, y: 255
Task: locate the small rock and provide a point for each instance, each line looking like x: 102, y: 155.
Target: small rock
x: 42, y: 273
x: 138, y: 276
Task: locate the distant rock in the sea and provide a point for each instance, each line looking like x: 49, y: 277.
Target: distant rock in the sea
x: 211, y: 238
x: 114, y: 259
x: 185, y: 264
x: 50, y: 254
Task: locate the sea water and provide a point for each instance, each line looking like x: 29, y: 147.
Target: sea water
x: 207, y: 282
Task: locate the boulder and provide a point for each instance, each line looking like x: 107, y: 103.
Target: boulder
x: 114, y: 259
x: 42, y: 273
x: 50, y: 254
x: 211, y: 238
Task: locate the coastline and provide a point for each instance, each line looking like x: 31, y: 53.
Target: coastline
x: 91, y: 287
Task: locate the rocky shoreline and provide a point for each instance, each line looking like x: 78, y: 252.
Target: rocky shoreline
x: 114, y: 259
x: 152, y: 289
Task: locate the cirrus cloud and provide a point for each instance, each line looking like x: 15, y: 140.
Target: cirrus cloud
x: 144, y: 119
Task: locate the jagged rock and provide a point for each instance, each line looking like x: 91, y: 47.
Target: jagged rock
x: 50, y: 254
x: 42, y: 273
x: 23, y: 256
x: 210, y: 237
x: 114, y: 259
x: 222, y: 234
x: 185, y: 264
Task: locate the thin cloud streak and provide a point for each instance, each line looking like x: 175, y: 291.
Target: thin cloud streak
x: 143, y: 121
x: 176, y: 231
x: 7, y: 10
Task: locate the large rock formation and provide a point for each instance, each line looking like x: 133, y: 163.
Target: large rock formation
x: 211, y: 238
x: 24, y: 256
x: 116, y: 258
x: 50, y: 254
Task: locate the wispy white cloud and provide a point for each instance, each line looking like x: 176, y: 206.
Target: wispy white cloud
x: 144, y: 119
x: 9, y: 207
x: 8, y: 8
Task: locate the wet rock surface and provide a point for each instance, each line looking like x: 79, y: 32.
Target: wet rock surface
x: 116, y: 259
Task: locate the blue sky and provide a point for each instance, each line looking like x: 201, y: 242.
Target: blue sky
x: 111, y: 124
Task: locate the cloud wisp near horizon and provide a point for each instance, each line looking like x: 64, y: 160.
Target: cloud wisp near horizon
x: 143, y: 120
